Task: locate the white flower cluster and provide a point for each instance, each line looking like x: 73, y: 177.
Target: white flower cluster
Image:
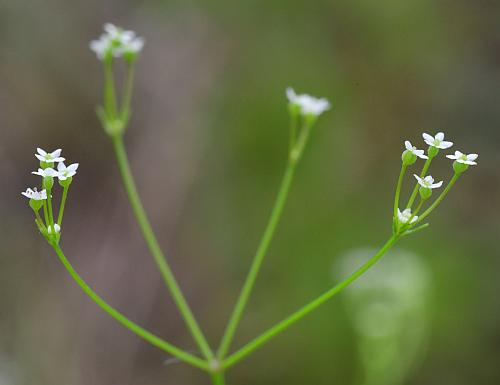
x: 47, y: 160
x: 117, y: 42
x: 308, y: 105
x: 438, y: 142
x: 426, y: 183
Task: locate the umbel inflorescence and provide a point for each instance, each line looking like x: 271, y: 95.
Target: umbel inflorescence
x: 50, y: 225
x: 119, y: 44
x: 405, y: 221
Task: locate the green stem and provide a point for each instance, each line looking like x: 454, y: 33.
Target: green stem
x: 397, y: 194
x: 427, y: 164
x: 51, y: 214
x: 63, y: 204
x: 151, y: 338
x: 294, y: 117
x: 40, y: 221
x: 154, y: 247
x: 46, y: 213
x: 287, y: 322
x: 127, y: 93
x: 257, y: 261
x: 218, y: 378
x: 301, y: 141
x: 439, y: 198
x: 109, y: 90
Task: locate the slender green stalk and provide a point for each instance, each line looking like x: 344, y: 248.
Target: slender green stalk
x: 151, y: 338
x: 413, y: 195
x: 398, y: 193
x: 109, y: 89
x: 218, y: 378
x: 415, y: 229
x: 127, y: 93
x: 301, y: 141
x: 294, y: 117
x: 63, y: 204
x: 439, y: 198
x: 257, y: 261
x: 46, y: 213
x: 51, y: 214
x: 417, y: 209
x: 154, y: 247
x: 287, y: 322
x: 39, y: 220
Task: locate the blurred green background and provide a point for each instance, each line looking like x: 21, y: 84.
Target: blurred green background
x: 208, y: 144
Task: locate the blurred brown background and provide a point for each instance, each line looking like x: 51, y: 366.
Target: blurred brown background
x: 207, y: 144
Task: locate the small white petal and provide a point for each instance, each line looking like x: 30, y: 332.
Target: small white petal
x: 440, y: 136
x: 56, y: 153
x: 444, y: 145
x: 40, y: 151
x: 73, y: 167
x: 408, y: 145
x: 291, y: 95
x: 472, y: 156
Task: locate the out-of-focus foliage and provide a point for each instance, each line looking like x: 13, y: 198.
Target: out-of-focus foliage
x: 208, y: 142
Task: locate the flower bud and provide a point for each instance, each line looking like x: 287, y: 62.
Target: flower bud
x: 432, y: 151
x: 130, y: 56
x: 66, y: 182
x: 408, y: 158
x: 425, y: 193
x: 36, y: 205
x: 294, y: 109
x: 48, y: 182
x: 44, y: 165
x: 459, y: 167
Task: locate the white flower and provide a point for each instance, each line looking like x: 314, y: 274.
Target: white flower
x: 134, y: 46
x: 100, y: 46
x: 64, y: 172
x: 437, y: 141
x: 45, y: 172
x: 56, y: 227
x: 309, y: 105
x: 117, y: 41
x: 413, y: 150
x: 405, y: 216
x: 428, y: 182
x: 49, y: 157
x: 34, y: 194
x: 463, y: 158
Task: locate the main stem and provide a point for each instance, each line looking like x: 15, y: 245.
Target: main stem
x: 155, y: 250
x: 218, y: 378
x: 287, y: 322
x: 257, y: 261
x: 151, y: 338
